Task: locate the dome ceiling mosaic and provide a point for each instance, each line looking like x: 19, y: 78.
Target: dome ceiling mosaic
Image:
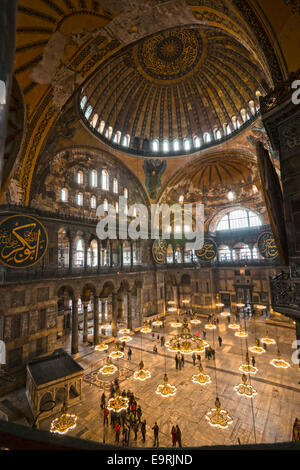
x: 174, y: 91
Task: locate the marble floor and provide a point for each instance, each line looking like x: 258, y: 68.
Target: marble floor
x: 267, y: 418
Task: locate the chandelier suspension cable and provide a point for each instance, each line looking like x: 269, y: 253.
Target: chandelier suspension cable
x: 249, y: 378
x: 215, y: 363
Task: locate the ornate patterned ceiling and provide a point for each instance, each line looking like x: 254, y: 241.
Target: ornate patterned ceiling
x: 176, y: 84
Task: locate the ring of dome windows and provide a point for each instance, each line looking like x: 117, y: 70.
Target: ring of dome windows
x: 186, y: 145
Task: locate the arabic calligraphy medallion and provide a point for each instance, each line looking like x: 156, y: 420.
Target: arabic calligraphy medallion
x: 159, y: 251
x: 23, y: 241
x: 208, y: 252
x: 267, y: 246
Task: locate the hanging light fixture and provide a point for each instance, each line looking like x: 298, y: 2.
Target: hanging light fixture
x: 146, y: 329
x: 247, y: 368
x: 171, y: 302
x: 108, y: 368
x: 101, y: 347
x: 242, y: 333
x: 240, y: 305
x: 257, y: 349
x: 157, y: 323
x: 260, y: 307
x: 106, y: 326
x: 118, y: 403
x: 186, y: 343
x: 234, y: 326
x: 125, y: 339
x: 210, y: 326
x: 124, y: 331
x: 218, y: 417
x: 176, y: 324
x: 225, y: 314
x: 201, y: 378
x: 244, y: 389
x: 279, y: 362
x: 195, y: 321
x: 63, y: 423
x: 219, y: 304
x: 166, y: 390
x: 142, y: 374
x: 116, y: 354
x: 268, y: 340
x: 172, y: 309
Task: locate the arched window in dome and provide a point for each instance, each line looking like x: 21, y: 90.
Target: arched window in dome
x: 78, y: 260
x: 239, y: 218
x: 238, y: 123
x: 79, y: 177
x: 207, y: 137
x: 252, y: 107
x: 176, y: 146
x: 126, y: 193
x: 115, y: 186
x: 92, y: 255
x: 187, y: 145
x: 117, y: 137
x: 88, y: 112
x: 224, y: 253
x: 94, y: 120
x: 155, y: 145
x: 108, y: 133
x: 218, y: 135
x: 64, y: 195
x: 228, y: 129
x: 79, y: 199
x: 101, y: 127
x: 93, y: 202
x: 244, y: 115
x: 126, y: 140
x: 83, y: 102
x: 105, y: 180
x: 63, y: 245
x: 117, y: 207
x: 93, y: 178
x: 166, y: 146
x: 197, y: 142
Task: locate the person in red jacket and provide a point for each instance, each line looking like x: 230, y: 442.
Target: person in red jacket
x: 174, y: 436
x: 118, y: 430
x: 105, y: 416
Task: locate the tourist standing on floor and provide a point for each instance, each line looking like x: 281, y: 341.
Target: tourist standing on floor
x: 105, y: 416
x: 220, y: 341
x: 194, y: 359
x: 143, y: 430
x: 176, y: 361
x: 178, y: 433
x: 155, y: 435
x: 155, y: 349
x: 204, y: 334
x: 182, y: 361
x: 139, y: 413
x: 129, y: 354
x: 253, y: 361
x: 103, y: 401
x: 213, y: 353
x: 118, y: 430
x: 179, y: 362
x: 135, y: 429
x: 174, y: 436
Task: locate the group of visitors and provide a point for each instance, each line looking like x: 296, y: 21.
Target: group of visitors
x: 176, y: 436
x: 179, y: 361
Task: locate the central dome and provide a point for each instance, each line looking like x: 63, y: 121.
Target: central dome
x: 174, y: 92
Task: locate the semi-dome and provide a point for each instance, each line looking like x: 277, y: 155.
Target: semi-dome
x: 175, y: 91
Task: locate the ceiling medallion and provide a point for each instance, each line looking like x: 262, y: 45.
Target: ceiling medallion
x: 170, y: 54
x: 244, y: 389
x: 201, y: 378
x: 217, y: 417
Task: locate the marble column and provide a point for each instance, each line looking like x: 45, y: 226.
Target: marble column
x: 85, y: 322
x: 96, y: 319
x: 74, y: 346
x: 114, y: 314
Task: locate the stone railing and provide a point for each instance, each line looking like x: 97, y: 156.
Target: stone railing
x: 285, y: 293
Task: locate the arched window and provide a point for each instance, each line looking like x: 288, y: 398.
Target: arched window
x: 105, y: 205
x: 197, y: 142
x: 165, y: 146
x: 126, y: 193
x: 94, y: 120
x: 126, y: 253
x: 79, y: 199
x: 101, y: 127
x: 93, y: 202
x: 79, y: 253
x: 224, y: 253
x: 181, y: 198
x: 63, y: 249
x: 255, y: 253
x: 240, y: 218
x: 178, y: 255
x: 218, y: 135
x: 94, y: 178
x: 207, y: 138
x: 79, y: 177
x: 117, y: 137
x: 187, y: 254
x: 176, y: 146
x: 105, y: 180
x: 238, y: 124
x: 105, y: 256
x: 117, y: 207
x: 170, y: 254
x: 64, y: 195
x: 88, y: 112
x: 115, y: 186
x: 155, y: 145
x: 252, y: 106
x: 108, y: 133
x: 136, y: 253
x: 241, y: 251
x: 83, y: 102
x: 92, y: 254
x: 228, y: 129
x: 126, y: 140
x: 187, y: 144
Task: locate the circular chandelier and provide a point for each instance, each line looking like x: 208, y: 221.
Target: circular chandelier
x: 225, y: 314
x: 172, y: 309
x: 118, y: 403
x: 210, y: 326
x: 106, y: 326
x: 195, y: 321
x: 108, y: 368
x: 186, y: 343
x: 248, y: 368
x: 142, y: 374
x: 201, y: 378
x: 157, y: 323
x: 242, y: 333
x: 219, y: 304
x: 268, y: 340
x: 124, y: 331
x: 125, y: 339
x: 146, y: 329
x: 279, y: 362
x: 63, y: 423
x: 257, y: 349
x: 116, y: 354
x: 260, y: 307
x: 234, y: 326
x: 240, y: 305
x: 218, y: 417
x: 101, y: 347
x: 171, y: 302
x: 244, y: 389
x: 176, y: 324
x: 166, y: 390
x: 185, y: 301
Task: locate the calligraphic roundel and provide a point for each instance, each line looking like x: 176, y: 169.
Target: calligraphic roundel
x: 23, y: 241
x: 267, y: 246
x: 159, y: 251
x: 208, y: 252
